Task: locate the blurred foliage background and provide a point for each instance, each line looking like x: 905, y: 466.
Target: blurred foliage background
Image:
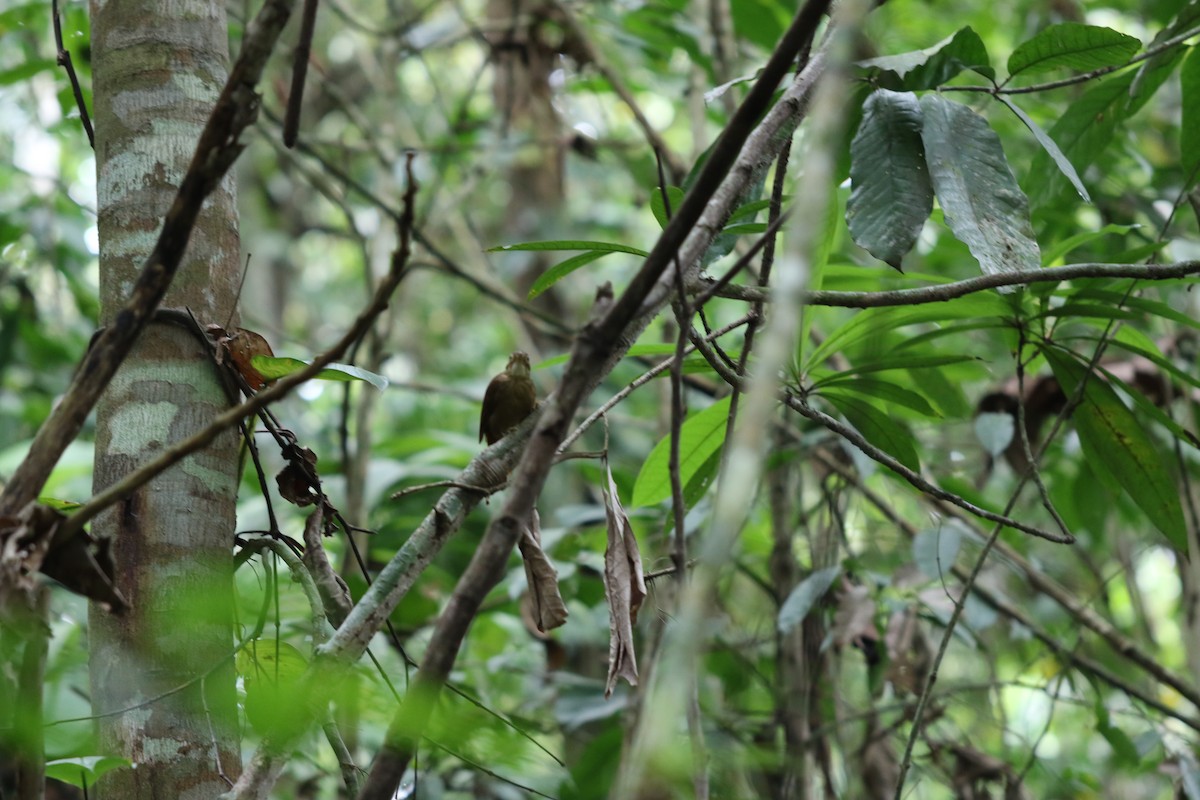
x: 523, y: 130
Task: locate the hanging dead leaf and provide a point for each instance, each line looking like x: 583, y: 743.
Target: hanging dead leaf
x: 30, y: 543
x: 298, y: 482
x: 624, y: 586
x: 548, y: 609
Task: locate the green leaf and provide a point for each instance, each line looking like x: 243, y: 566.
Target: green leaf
x: 874, y: 322
x: 1082, y: 133
x: 85, y: 770
x: 933, y: 66
x: 1072, y: 45
x: 274, y: 367
x: 804, y: 596
x: 983, y: 205
x: 906, y: 362
x: 25, y: 70
x: 1117, y: 448
x: 879, y: 429
x: 1189, y: 126
x: 674, y: 194
x: 934, y: 550
x: 568, y: 244
x: 563, y: 269
x: 891, y: 196
x: 701, y: 435
x: 1061, y: 161
x: 271, y: 673
x: 880, y: 391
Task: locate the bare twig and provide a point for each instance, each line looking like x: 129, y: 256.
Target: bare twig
x: 64, y: 60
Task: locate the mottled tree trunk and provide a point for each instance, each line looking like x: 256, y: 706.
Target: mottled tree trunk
x: 158, y: 69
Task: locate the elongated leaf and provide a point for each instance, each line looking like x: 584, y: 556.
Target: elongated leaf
x: 1072, y: 45
x: 802, y: 598
x: 933, y: 66
x: 1061, y: 161
x: 880, y: 391
x: 873, y: 322
x: 569, y: 244
x: 1189, y: 126
x: 701, y: 435
x: 1056, y: 251
x: 892, y: 195
x: 1119, y: 450
x: 983, y: 205
x: 1082, y: 133
x: 562, y: 269
x: 272, y: 367
x: 915, y: 361
x: 879, y: 429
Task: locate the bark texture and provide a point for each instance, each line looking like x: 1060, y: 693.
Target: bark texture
x: 158, y: 69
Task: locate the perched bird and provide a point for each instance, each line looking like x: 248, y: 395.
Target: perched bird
x: 509, y: 399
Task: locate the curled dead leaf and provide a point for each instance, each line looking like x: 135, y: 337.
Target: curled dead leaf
x: 547, y: 607
x: 624, y: 587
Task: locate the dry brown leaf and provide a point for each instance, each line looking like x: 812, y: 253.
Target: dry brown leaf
x: 30, y: 543
x: 298, y: 481
x: 549, y: 610
x: 625, y: 588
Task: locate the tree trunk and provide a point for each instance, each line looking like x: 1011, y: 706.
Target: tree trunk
x: 158, y: 69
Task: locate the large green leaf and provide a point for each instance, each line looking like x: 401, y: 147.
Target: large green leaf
x: 892, y: 195
x: 884, y: 392
x: 879, y: 429
x: 933, y: 66
x: 1072, y: 45
x: 701, y: 435
x: 983, y: 205
x: 1119, y: 450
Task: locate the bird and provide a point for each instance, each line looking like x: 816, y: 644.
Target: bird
x: 509, y: 399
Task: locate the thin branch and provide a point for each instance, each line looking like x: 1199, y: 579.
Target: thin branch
x: 64, y: 60
x: 291, y: 120
x: 951, y: 291
x: 640, y: 381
